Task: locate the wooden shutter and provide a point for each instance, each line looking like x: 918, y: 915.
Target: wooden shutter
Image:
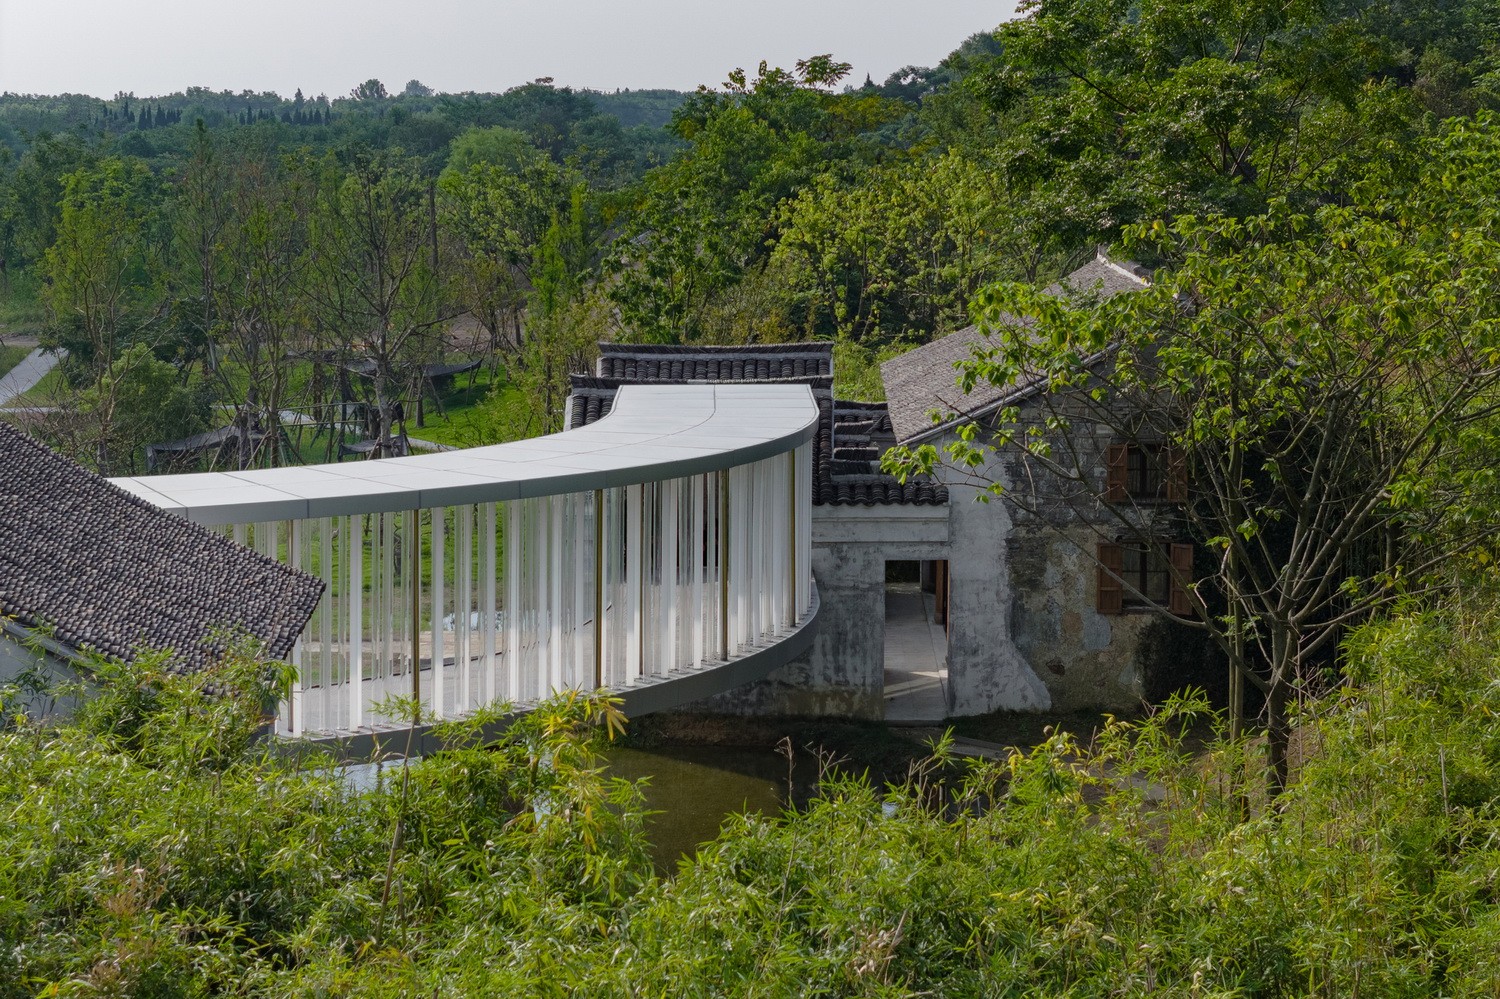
x: 1177, y: 480
x: 1109, y: 593
x: 1117, y: 474
x: 1181, y: 556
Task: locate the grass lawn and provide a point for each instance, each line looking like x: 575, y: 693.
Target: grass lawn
x: 45, y: 392
x: 21, y: 309
x: 469, y: 419
x: 10, y: 357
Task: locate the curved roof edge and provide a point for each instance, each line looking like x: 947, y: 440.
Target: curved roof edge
x: 654, y: 432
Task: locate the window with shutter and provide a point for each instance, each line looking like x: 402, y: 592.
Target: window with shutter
x: 1177, y: 480
x: 1180, y: 602
x: 1145, y: 473
x: 1109, y: 595
x: 1117, y: 473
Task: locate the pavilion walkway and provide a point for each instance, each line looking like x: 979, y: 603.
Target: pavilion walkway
x: 662, y: 553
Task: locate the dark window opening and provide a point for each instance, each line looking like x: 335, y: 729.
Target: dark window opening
x: 1145, y: 473
x: 1142, y: 575
x: 1146, y: 573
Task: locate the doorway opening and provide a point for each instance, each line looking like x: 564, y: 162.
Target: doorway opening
x: 916, y: 641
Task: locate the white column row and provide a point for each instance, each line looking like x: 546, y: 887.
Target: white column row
x: 510, y: 602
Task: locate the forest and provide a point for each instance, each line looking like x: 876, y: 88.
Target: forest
x: 1316, y: 185
x: 211, y: 260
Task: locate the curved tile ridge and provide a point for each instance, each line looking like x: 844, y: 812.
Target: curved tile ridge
x: 653, y: 432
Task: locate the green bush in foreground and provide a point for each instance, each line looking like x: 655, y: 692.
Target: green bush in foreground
x: 152, y: 848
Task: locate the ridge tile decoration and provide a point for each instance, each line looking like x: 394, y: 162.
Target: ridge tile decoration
x: 851, y: 436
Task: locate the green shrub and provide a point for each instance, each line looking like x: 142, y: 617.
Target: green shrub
x: 156, y: 847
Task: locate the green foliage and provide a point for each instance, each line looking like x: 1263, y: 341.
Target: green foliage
x: 98, y: 268
x: 158, y: 846
x: 496, y: 146
x: 1327, y: 381
x: 140, y: 400
x: 902, y: 251
x: 155, y: 847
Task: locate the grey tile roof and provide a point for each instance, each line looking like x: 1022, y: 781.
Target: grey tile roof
x: 851, y: 435
x: 1103, y: 277
x: 756, y: 363
x: 108, y: 572
x: 924, y: 380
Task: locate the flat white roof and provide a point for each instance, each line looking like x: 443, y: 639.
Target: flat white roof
x: 653, y: 432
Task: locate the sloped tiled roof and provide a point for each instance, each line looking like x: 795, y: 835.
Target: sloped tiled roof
x: 924, y: 380
x: 851, y: 435
x: 103, y: 570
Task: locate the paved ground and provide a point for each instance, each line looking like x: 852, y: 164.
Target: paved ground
x: 26, y: 374
x: 916, y: 667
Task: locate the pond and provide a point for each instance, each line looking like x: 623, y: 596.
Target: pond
x: 694, y: 789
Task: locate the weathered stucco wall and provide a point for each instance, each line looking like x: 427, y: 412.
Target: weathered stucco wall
x: 35, y: 672
x: 843, y: 674
x: 1024, y: 632
x: 986, y: 670
x: 1086, y: 659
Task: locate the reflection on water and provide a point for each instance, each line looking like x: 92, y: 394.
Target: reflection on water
x: 695, y: 789
x: 692, y: 790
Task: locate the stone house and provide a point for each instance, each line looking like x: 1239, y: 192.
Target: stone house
x: 1030, y: 605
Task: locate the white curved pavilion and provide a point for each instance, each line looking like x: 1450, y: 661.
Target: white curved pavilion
x: 656, y: 552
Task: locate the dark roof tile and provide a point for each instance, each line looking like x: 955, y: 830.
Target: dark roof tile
x: 107, y: 571
x: 924, y: 380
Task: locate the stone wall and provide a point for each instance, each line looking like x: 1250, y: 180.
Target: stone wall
x: 986, y: 670
x: 1027, y: 633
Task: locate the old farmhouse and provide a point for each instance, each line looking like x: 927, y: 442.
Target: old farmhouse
x: 1018, y: 614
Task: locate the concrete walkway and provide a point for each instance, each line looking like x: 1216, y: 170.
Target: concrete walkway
x: 916, y: 651
x: 32, y: 369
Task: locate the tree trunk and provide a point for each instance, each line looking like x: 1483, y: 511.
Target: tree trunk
x: 1278, y: 737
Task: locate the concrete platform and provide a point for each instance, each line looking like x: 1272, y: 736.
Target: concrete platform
x: 916, y: 666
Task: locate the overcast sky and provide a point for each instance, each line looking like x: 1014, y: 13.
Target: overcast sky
x: 149, y: 47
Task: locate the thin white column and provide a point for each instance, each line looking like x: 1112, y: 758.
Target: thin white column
x: 294, y: 553
x: 389, y: 615
x: 487, y: 612
x: 583, y: 592
x: 463, y: 602
x: 552, y: 578
x: 634, y: 571
x: 668, y: 595
x: 435, y: 629
x: 325, y: 624
x: 514, y: 517
x: 355, y: 527
x: 697, y: 555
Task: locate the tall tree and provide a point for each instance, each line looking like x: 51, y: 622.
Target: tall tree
x: 266, y: 308
x: 371, y: 277
x: 1325, y: 385
x: 709, y: 217
x: 371, y: 90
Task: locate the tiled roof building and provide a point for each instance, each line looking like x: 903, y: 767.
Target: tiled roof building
x: 95, y: 568
x: 923, y: 381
